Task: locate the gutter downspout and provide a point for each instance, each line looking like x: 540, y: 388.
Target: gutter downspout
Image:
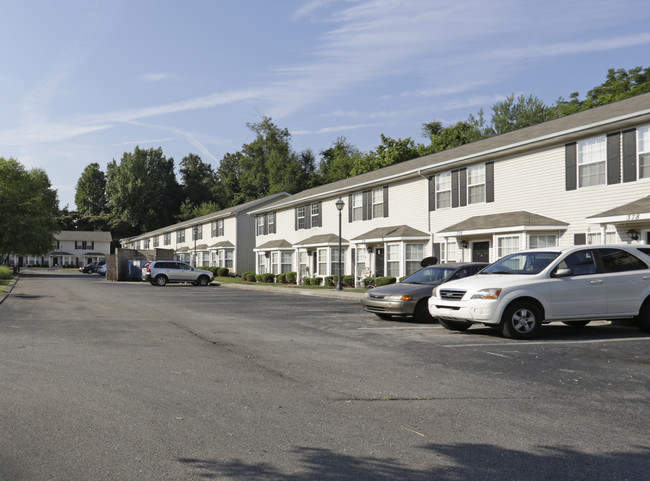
x: 428, y: 213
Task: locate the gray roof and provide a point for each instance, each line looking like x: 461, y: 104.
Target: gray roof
x: 509, y: 219
x: 80, y: 235
x: 230, y: 211
x: 223, y: 244
x: 635, y: 207
x: 321, y: 239
x: 392, y: 233
x: 60, y: 253
x: 275, y: 244
x: 615, y: 116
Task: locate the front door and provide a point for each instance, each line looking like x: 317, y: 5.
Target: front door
x: 481, y: 251
x: 379, y: 262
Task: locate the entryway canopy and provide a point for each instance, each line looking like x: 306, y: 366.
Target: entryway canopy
x: 519, y: 221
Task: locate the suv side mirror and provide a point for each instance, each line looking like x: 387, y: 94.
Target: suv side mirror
x: 566, y: 272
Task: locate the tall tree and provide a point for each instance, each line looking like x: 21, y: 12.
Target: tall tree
x: 142, y: 190
x: 338, y: 161
x: 197, y: 180
x: 389, y: 152
x: 90, y: 195
x: 28, y: 210
x: 512, y: 114
x: 461, y: 133
x: 227, y: 190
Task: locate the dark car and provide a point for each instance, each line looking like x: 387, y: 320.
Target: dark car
x: 88, y: 269
x: 410, y: 297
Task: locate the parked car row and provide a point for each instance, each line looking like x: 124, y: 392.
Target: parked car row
x: 520, y: 292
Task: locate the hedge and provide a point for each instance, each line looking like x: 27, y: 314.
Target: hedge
x: 291, y: 277
x: 281, y: 279
x: 348, y: 281
x: 268, y: 278
x: 223, y: 272
x: 5, y: 272
x: 249, y: 276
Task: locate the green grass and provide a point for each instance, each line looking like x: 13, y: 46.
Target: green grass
x: 237, y: 280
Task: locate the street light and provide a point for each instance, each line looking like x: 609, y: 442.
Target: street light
x: 194, y: 234
x: 339, y: 205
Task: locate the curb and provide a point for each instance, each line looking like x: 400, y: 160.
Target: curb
x: 331, y: 294
x: 9, y: 288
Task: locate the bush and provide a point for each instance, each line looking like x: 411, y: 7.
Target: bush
x: 258, y: 278
x: 384, y: 281
x: 281, y: 279
x: 268, y: 278
x: 331, y: 280
x: 291, y: 277
x: 401, y: 279
x: 316, y: 281
x: 248, y: 276
x: 348, y: 281
x: 223, y: 272
x: 367, y: 281
x: 5, y: 272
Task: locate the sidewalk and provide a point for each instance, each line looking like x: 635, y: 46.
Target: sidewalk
x: 329, y: 293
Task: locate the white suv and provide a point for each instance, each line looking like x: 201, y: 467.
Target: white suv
x: 575, y: 285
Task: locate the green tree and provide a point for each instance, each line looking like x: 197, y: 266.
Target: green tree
x: 90, y: 195
x: 338, y: 161
x: 197, y: 180
x: 142, y: 190
x: 389, y: 152
x: 28, y: 210
x: 461, y: 133
x: 512, y: 114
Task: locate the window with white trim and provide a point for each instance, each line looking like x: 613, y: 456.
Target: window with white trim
x: 322, y: 261
x: 301, y: 217
x: 378, y: 202
x: 476, y: 184
x: 261, y: 263
x: 261, y: 221
x: 643, y: 135
x: 361, y: 260
x: 448, y: 251
x: 304, y: 263
x: 334, y: 260
x: 146, y: 243
x: 156, y: 239
x: 167, y: 238
x: 227, y: 258
x: 315, y: 214
x: 592, y: 161
x: 275, y: 262
x: 271, y: 222
x: 197, y: 232
x: 216, y: 228
x: 392, y: 260
x: 443, y: 190
x: 596, y: 238
x: 286, y: 262
x: 180, y: 235
x: 414, y: 253
x: 357, y: 206
x: 507, y: 245
x: 536, y: 241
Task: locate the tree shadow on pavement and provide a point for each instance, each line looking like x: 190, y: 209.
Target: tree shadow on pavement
x: 459, y: 462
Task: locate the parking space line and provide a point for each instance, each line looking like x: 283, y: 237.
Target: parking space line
x: 547, y: 343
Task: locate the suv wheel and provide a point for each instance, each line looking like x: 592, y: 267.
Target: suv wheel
x: 203, y: 281
x: 161, y: 281
x: 520, y: 320
x: 643, y: 319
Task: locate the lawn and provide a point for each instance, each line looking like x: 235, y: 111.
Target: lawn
x: 238, y: 280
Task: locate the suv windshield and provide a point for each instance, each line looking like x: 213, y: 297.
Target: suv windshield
x: 430, y: 275
x: 522, y: 263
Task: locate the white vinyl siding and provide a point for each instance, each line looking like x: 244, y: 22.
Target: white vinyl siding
x: 592, y: 161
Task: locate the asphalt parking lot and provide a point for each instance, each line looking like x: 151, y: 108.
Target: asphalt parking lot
x: 129, y: 381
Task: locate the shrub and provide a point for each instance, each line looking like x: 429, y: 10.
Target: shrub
x: 384, y: 281
x: 367, y: 281
x: 291, y: 277
x: 348, y: 281
x: 331, y: 280
x: 316, y: 281
x: 5, y: 272
x: 223, y: 272
x: 258, y: 277
x: 248, y: 276
x: 281, y: 279
x: 268, y: 278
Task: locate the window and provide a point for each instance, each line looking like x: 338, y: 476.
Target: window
x: 361, y: 260
x: 448, y: 251
x: 476, y: 184
x: 156, y: 239
x: 315, y: 214
x: 275, y: 262
x: 180, y: 236
x: 304, y: 266
x: 443, y: 190
x: 592, y: 159
x: 81, y: 245
x: 261, y: 223
x: 392, y: 260
x: 378, y: 202
x: 507, y: 245
x: 167, y: 238
x: 322, y: 262
x: 357, y: 206
x: 414, y: 254
x: 536, y: 241
x: 644, y: 151
x: 334, y: 259
x: 145, y: 244
x: 261, y: 263
x: 216, y: 228
x: 271, y: 223
x: 226, y: 257
x: 301, y: 217
x: 616, y: 260
x: 286, y: 262
x: 581, y: 263
x: 197, y: 232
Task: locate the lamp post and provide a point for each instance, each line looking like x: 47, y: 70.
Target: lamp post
x: 194, y: 234
x: 339, y: 205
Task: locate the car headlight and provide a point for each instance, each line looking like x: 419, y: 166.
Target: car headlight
x: 491, y: 293
x: 398, y: 298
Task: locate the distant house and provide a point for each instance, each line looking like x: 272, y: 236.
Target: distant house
x: 71, y: 248
x: 221, y: 239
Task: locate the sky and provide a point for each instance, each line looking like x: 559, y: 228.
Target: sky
x: 85, y: 81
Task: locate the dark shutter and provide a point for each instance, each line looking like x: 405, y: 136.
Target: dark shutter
x: 275, y: 223
x: 296, y: 217
x: 350, y: 208
x: 385, y: 201
x: 579, y: 239
x: 629, y: 155
x: 367, y: 204
x: 454, y: 188
x: 462, y: 176
x: 489, y: 182
x: 614, y: 158
x: 432, y: 193
x: 266, y: 224
x: 320, y: 214
x: 571, y: 167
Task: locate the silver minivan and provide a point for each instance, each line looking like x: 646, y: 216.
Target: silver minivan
x: 159, y: 273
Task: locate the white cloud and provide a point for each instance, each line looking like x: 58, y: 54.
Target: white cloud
x: 328, y: 130
x: 157, y: 77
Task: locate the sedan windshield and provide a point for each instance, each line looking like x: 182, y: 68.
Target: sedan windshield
x: 430, y: 275
x: 523, y: 263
